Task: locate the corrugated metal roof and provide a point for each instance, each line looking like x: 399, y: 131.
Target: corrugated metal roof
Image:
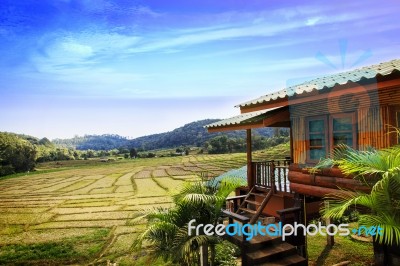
x: 242, y: 119
x: 330, y: 81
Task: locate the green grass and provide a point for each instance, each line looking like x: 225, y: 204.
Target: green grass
x: 345, y: 249
x: 44, y: 213
x: 31, y: 173
x: 11, y: 229
x: 142, y: 260
x: 70, y: 250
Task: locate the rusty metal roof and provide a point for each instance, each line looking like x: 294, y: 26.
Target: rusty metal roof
x: 243, y: 119
x: 368, y: 72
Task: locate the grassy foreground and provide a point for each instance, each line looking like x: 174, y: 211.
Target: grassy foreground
x: 77, y: 212
x: 345, y: 249
x: 80, y: 212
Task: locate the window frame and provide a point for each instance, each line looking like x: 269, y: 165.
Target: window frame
x: 329, y: 133
x: 325, y: 132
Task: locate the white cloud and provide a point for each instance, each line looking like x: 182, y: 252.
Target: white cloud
x: 84, y: 56
x: 245, y: 25
x: 313, y: 21
x: 78, y: 49
x: 258, y: 30
x: 145, y: 10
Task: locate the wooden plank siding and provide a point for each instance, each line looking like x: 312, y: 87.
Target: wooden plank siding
x: 299, y: 140
x: 373, y: 131
x: 374, y: 110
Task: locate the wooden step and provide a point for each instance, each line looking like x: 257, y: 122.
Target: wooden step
x: 262, y: 189
x: 258, y: 194
x: 248, y: 210
x: 292, y: 260
x: 253, y: 202
x: 270, y: 253
x: 256, y: 242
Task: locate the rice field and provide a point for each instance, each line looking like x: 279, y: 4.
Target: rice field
x: 85, y: 214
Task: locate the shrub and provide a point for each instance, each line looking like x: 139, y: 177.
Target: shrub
x: 226, y: 254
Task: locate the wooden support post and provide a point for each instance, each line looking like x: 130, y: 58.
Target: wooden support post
x: 250, y: 177
x: 204, y: 255
x: 272, y: 175
x: 291, y: 144
x: 301, y: 201
x: 330, y: 240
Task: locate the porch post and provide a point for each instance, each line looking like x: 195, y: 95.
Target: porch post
x: 330, y: 239
x: 204, y: 255
x: 291, y: 144
x: 250, y: 178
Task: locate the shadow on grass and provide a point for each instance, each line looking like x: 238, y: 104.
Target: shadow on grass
x: 324, y: 254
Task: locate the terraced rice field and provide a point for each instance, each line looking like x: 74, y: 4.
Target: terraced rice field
x: 86, y: 214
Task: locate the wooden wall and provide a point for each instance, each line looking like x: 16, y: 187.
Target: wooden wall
x: 299, y: 142
x: 372, y: 129
x: 374, y: 112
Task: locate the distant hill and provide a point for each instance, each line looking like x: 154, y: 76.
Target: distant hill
x: 192, y: 134
x: 94, y: 142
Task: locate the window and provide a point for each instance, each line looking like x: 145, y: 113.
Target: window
x: 323, y: 137
x: 317, y: 132
x: 342, y: 130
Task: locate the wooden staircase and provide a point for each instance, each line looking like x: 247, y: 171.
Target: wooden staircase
x: 261, y: 250
x: 268, y: 250
x: 251, y: 208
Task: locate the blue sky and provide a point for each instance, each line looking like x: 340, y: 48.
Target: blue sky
x: 140, y: 67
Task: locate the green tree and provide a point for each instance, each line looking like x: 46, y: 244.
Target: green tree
x: 167, y: 229
x: 219, y: 145
x: 76, y: 155
x: 379, y: 169
x: 90, y: 154
x: 45, y: 142
x: 16, y: 154
x: 114, y: 152
x: 133, y: 153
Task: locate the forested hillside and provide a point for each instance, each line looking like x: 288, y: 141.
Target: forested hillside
x: 192, y: 134
x: 20, y: 153
x: 94, y: 142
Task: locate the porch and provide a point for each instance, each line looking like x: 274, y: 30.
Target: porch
x: 269, y: 201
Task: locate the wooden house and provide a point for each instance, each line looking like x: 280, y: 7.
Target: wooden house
x: 354, y: 107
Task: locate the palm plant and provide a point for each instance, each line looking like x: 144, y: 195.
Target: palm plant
x: 380, y: 170
x: 167, y: 230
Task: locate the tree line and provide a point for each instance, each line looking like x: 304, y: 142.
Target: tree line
x: 191, y: 135
x: 224, y: 144
x: 20, y: 153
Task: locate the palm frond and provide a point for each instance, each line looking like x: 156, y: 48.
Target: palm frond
x: 389, y: 224
x: 381, y: 207
x: 341, y: 201
x: 167, y: 228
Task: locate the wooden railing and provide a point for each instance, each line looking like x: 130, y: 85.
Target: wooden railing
x: 272, y: 174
